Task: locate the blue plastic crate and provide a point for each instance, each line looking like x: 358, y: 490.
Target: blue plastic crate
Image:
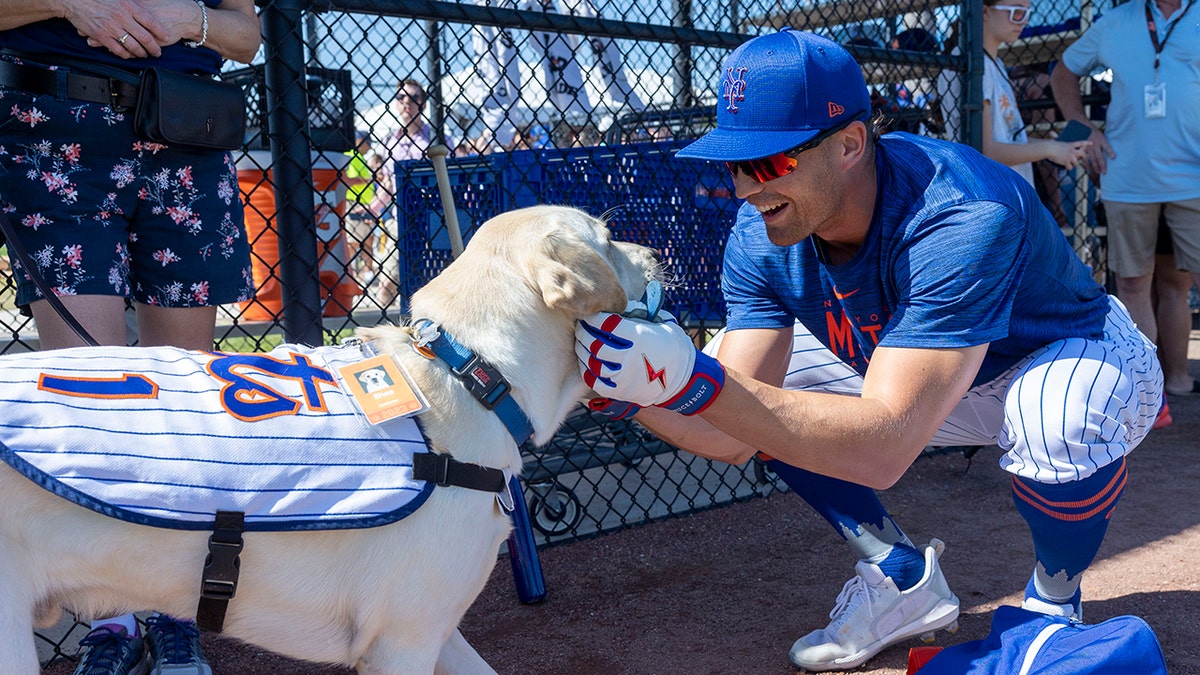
x: 424, y: 240
x: 682, y: 208
x: 579, y: 177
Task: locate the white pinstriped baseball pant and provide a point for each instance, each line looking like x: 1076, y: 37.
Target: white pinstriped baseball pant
x: 1060, y: 414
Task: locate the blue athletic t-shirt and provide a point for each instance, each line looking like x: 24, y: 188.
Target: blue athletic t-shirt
x: 57, y: 37
x: 960, y: 252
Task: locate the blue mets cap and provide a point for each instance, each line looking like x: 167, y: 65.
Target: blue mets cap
x: 777, y: 92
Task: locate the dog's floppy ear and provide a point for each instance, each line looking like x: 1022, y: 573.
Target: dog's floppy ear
x: 573, y: 277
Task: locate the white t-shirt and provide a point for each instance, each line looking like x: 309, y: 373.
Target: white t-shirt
x: 1006, y: 123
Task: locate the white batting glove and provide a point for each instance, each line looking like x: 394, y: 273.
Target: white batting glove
x: 646, y: 363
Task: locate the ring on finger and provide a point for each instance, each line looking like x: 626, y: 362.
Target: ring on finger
x: 123, y: 38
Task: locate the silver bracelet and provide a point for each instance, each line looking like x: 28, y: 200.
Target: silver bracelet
x: 203, y: 26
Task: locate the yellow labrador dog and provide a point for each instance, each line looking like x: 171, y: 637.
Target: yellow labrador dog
x: 385, y: 598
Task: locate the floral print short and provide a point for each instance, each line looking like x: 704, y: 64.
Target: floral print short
x: 104, y: 213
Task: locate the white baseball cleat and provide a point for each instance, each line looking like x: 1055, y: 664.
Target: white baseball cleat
x: 871, y: 614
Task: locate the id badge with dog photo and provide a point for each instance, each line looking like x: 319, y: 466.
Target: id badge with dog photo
x: 382, y: 389
x: 1156, y: 100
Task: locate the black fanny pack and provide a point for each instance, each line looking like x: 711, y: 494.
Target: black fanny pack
x: 178, y: 109
x: 169, y: 107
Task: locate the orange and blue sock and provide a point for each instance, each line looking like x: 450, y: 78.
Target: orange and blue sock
x: 1068, y: 522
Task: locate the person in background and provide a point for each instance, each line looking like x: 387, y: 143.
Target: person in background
x: 1147, y: 159
x: 945, y: 113
x: 407, y: 142
x: 529, y: 136
x: 1004, y: 137
x: 483, y: 144
x: 1172, y: 286
x: 410, y: 140
x: 109, y: 217
x: 1054, y: 182
x: 881, y: 292
x: 360, y: 221
x: 587, y: 135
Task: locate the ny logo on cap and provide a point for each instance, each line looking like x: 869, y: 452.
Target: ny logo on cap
x: 835, y: 109
x: 735, y: 88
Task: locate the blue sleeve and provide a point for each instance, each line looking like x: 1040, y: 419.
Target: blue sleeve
x: 751, y: 299
x: 957, y: 278
x: 1083, y: 56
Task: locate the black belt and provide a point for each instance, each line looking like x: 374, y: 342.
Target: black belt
x: 91, y: 88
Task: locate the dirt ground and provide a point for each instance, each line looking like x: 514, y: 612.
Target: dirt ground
x: 730, y: 589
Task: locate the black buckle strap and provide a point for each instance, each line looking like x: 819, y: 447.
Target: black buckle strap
x: 93, y: 89
x: 444, y: 470
x: 484, y: 382
x: 218, y: 583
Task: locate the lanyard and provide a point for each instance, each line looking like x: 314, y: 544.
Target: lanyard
x: 1004, y: 73
x: 1159, y: 46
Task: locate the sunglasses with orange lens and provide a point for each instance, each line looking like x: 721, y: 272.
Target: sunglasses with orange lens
x: 781, y: 163
x: 1016, y: 13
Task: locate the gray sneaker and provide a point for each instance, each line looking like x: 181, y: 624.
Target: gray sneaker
x: 174, y: 647
x: 111, y: 652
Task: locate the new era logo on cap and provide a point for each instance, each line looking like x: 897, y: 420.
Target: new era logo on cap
x: 835, y: 109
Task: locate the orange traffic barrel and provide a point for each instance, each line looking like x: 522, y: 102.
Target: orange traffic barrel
x: 329, y: 206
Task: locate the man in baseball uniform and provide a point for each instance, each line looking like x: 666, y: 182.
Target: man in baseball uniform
x: 939, y: 298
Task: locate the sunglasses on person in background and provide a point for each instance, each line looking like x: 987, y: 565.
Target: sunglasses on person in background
x: 781, y: 163
x: 1016, y: 13
x: 415, y: 98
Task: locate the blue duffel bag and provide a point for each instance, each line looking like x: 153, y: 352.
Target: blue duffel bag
x: 1028, y: 643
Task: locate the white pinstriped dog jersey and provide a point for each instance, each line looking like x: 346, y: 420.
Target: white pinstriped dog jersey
x: 166, y: 437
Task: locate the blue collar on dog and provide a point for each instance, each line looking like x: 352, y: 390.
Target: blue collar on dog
x: 482, y: 379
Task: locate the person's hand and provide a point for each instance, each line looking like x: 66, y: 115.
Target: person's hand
x: 180, y: 20
x: 1069, y: 155
x: 127, y: 28
x: 1097, y: 154
x: 646, y: 362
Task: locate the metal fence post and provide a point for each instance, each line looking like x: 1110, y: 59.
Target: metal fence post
x: 683, y: 58
x: 971, y: 23
x: 291, y: 167
x: 433, y: 62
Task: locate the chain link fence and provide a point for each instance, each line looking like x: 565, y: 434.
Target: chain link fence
x: 577, y: 102
x: 584, y: 103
